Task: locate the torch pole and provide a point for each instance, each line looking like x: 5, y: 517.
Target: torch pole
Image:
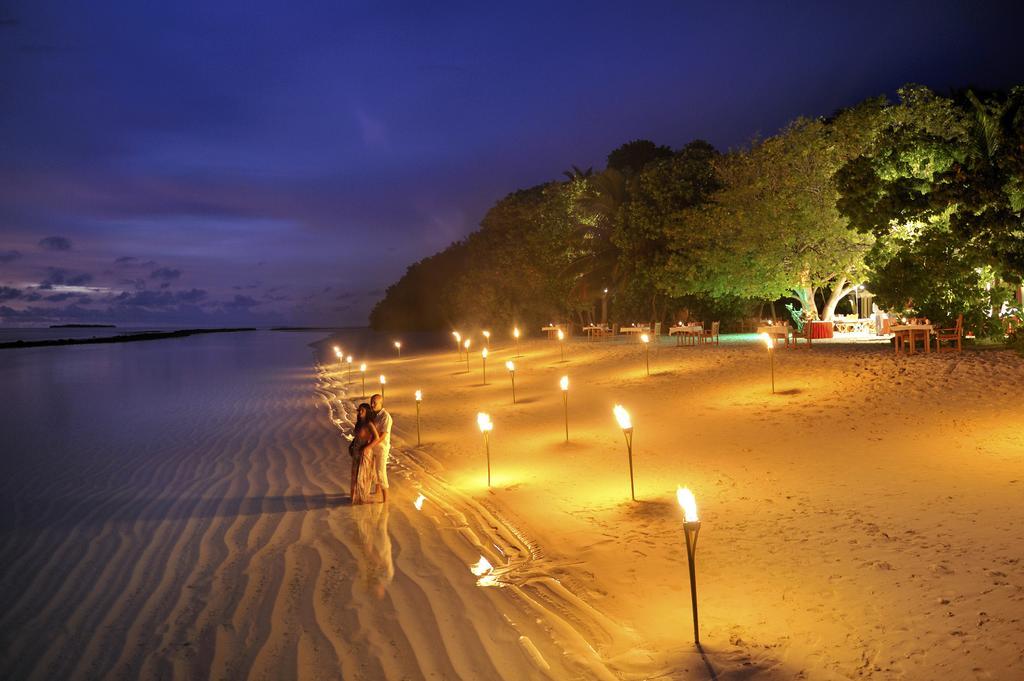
x: 771, y: 360
x: 487, y: 447
x: 565, y: 403
x: 418, y: 423
x: 628, y: 432
x: 485, y: 370
x: 364, y: 385
x: 690, y: 530
x: 467, y: 361
x: 513, y: 387
x: 647, y: 357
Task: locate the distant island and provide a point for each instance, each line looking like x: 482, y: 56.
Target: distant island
x: 83, y: 326
x: 126, y: 338
x: 307, y: 328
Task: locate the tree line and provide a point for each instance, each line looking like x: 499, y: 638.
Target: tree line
x: 919, y: 201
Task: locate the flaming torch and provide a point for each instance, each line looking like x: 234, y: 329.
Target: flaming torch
x: 349, y: 360
x: 362, y: 370
x: 487, y: 338
x: 564, y: 385
x: 646, y: 340
x: 483, y: 421
x: 770, y: 344
x: 398, y: 346
x: 691, y: 528
x: 515, y: 334
x: 622, y: 416
x: 419, y: 398
x: 337, y: 353
x: 483, y: 358
x: 465, y: 346
x: 383, y: 382
x: 561, y: 344
x: 511, y: 366
x: 458, y: 345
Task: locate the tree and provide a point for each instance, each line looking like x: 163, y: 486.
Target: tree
x: 633, y: 157
x: 773, y: 229
x: 941, y: 188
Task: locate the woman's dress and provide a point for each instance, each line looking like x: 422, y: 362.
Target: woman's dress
x: 364, y: 476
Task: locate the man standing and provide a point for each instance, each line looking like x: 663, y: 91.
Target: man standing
x: 381, y: 446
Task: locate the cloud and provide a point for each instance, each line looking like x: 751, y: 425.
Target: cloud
x: 58, y: 276
x: 159, y: 299
x: 240, y: 303
x: 165, y: 273
x: 60, y: 297
x: 9, y: 256
x: 8, y: 293
x: 55, y: 243
x: 126, y: 260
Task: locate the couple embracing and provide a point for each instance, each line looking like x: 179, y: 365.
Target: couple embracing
x: 370, y: 449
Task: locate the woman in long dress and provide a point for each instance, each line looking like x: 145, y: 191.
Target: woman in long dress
x: 362, y: 467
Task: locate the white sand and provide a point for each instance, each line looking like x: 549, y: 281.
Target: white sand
x: 862, y: 523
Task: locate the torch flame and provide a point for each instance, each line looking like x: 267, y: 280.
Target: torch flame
x: 487, y: 334
x: 515, y: 332
x: 767, y: 340
x: 383, y: 379
x: 564, y: 383
x: 419, y: 502
x: 466, y: 343
x: 481, y: 567
x: 419, y: 395
x: 362, y: 367
x: 561, y: 336
x: 645, y: 338
x: 622, y: 416
x: 398, y: 344
x: 349, y: 359
x: 510, y: 365
x: 483, y: 421
x: 458, y: 336
x: 688, y: 503
x: 484, y: 353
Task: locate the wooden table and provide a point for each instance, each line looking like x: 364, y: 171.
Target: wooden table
x: 552, y: 331
x: 776, y: 331
x: 688, y: 331
x: 596, y: 330
x: 634, y: 330
x: 908, y: 332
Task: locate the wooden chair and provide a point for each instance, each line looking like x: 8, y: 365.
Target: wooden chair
x: 657, y: 329
x: 807, y: 335
x: 710, y: 335
x: 953, y: 334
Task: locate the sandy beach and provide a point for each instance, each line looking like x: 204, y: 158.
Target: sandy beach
x: 860, y: 523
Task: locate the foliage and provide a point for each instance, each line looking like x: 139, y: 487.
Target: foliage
x: 773, y: 228
x: 633, y: 157
x: 941, y: 188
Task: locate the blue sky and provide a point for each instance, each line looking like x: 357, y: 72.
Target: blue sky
x: 253, y: 162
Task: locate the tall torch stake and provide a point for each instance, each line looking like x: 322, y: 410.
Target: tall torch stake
x: 564, y: 385
x: 691, y: 528
x: 771, y: 356
x: 419, y: 398
x: 483, y: 357
x: 511, y: 366
x: 622, y: 416
x: 646, y: 340
x: 483, y: 420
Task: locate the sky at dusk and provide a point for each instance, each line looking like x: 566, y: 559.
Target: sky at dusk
x: 208, y: 163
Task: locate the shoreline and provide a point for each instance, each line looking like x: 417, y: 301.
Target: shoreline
x: 126, y: 338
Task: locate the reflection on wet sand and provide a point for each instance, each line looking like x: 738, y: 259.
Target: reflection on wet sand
x: 377, y: 567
